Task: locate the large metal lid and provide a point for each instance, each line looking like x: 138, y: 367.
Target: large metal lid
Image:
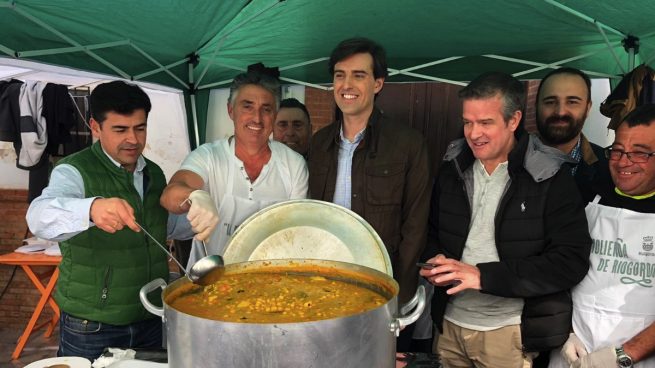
x: 308, y: 229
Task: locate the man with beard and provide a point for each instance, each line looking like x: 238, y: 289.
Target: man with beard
x: 563, y: 102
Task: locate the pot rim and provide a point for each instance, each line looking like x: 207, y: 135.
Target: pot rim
x: 362, y: 275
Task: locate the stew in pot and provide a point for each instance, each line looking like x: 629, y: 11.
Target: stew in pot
x: 277, y: 297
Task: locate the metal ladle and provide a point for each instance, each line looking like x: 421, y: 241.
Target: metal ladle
x: 205, y: 271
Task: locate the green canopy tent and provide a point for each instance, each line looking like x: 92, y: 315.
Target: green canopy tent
x: 199, y: 45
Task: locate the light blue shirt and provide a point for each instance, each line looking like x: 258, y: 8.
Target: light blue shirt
x: 343, y: 189
x: 62, y: 210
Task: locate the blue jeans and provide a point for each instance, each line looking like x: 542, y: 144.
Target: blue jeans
x: 88, y: 339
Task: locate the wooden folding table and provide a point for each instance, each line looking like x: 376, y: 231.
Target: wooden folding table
x: 26, y: 262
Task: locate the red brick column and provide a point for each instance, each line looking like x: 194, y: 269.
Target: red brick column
x: 320, y: 104
x: 20, y: 298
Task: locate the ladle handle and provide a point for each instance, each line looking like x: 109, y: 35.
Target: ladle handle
x: 205, y: 247
x: 162, y: 247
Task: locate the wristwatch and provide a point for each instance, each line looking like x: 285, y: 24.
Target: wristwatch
x: 623, y: 359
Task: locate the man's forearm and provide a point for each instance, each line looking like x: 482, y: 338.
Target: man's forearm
x: 642, y: 345
x: 174, y: 198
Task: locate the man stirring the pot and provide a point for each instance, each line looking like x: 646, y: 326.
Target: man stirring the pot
x: 90, y: 206
x: 230, y: 179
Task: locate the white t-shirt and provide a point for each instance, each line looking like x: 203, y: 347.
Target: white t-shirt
x: 284, y: 177
x: 211, y: 162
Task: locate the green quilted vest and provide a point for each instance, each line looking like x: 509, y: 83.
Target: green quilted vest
x: 101, y: 273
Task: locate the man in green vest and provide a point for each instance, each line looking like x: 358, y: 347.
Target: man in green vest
x: 91, y: 206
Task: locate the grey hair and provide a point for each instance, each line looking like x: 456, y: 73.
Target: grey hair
x: 265, y: 81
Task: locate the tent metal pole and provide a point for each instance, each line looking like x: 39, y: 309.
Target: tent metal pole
x: 69, y: 40
x: 305, y: 83
x: 192, y: 98
x: 631, y: 58
x: 584, y: 17
x: 609, y: 46
x: 66, y: 50
x: 427, y: 77
x: 212, y: 58
x: 441, y: 61
x: 211, y: 85
x: 8, y: 51
x: 157, y: 63
x: 155, y: 71
x: 541, y: 66
x: 231, y: 67
x: 557, y: 64
x: 513, y: 60
x: 303, y: 63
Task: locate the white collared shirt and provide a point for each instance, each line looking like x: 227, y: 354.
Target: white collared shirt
x: 62, y: 210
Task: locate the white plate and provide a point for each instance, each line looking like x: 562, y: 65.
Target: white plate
x: 308, y: 229
x: 134, y: 363
x: 72, y: 362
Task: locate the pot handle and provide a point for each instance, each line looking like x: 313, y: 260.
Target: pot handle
x: 406, y: 319
x: 149, y: 288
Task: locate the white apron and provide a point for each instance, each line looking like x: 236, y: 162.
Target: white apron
x: 234, y: 210
x: 616, y: 300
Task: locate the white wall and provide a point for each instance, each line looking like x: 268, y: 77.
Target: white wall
x: 10, y: 176
x: 595, y: 128
x: 219, y: 124
x: 168, y: 137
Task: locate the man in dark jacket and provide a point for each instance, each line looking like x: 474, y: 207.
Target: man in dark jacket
x: 376, y: 167
x: 563, y: 102
x: 509, y: 232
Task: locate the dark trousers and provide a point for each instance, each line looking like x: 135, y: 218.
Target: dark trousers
x: 88, y: 339
x: 404, y: 341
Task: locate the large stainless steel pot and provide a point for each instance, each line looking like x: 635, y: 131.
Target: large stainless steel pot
x: 367, y: 339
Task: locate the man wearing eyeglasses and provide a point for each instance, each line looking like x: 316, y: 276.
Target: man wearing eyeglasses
x: 613, y: 310
x: 563, y: 102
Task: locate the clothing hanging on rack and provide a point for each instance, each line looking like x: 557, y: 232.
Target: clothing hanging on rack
x: 59, y: 113
x: 33, y: 134
x: 10, y: 111
x: 38, y: 118
x: 635, y: 89
x: 81, y: 130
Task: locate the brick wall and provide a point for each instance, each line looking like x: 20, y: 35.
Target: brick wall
x: 21, y: 296
x: 530, y: 113
x: 320, y: 104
